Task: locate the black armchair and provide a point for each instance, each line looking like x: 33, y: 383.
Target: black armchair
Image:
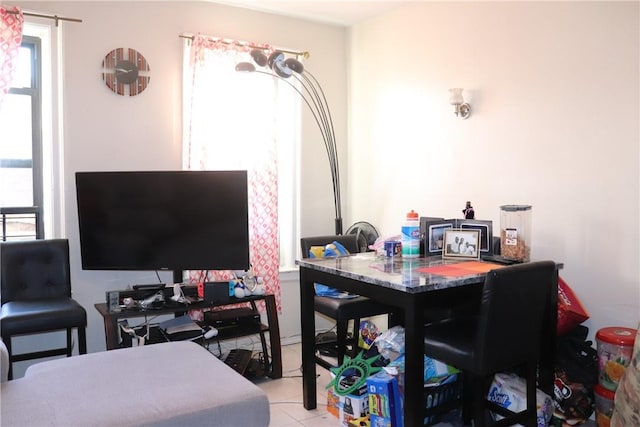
x: 341, y: 310
x: 504, y: 335
x: 35, y: 291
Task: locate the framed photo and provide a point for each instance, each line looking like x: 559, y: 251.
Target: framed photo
x: 486, y: 233
x: 460, y: 243
x: 433, y: 237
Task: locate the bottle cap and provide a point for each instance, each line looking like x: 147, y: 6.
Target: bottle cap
x: 412, y: 216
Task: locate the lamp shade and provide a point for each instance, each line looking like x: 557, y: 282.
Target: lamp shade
x: 455, y: 96
x: 276, y: 56
x: 281, y: 69
x: 245, y: 67
x: 294, y: 64
x: 259, y: 57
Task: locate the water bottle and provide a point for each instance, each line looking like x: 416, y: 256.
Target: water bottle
x: 411, y: 236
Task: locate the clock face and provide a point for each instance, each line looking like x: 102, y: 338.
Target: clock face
x: 125, y: 71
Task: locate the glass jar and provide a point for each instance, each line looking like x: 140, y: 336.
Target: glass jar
x: 515, y: 232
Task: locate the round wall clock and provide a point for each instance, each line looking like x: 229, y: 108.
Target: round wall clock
x: 125, y: 71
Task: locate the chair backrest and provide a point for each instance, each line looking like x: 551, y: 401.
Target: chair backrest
x: 349, y: 241
x: 515, y: 301
x: 34, y: 269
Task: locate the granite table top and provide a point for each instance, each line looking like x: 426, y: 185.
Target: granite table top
x: 412, y: 275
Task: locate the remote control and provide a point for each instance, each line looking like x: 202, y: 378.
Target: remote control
x: 150, y: 287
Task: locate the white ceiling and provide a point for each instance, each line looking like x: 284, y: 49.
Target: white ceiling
x: 334, y: 12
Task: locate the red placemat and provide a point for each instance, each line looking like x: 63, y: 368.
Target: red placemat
x: 461, y: 269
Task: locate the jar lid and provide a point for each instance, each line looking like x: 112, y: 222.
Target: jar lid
x: 603, y: 392
x: 617, y: 335
x: 412, y: 215
x: 514, y: 208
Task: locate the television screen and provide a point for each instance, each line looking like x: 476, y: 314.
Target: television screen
x: 163, y: 220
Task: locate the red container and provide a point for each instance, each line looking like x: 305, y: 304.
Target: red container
x: 615, y: 347
x: 604, y: 405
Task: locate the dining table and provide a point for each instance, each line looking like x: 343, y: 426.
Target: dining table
x: 413, y: 288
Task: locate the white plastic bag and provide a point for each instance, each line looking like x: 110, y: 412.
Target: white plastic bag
x: 510, y: 391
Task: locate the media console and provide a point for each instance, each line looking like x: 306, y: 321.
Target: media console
x: 231, y: 328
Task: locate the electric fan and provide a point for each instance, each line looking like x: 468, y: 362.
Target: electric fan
x: 366, y: 234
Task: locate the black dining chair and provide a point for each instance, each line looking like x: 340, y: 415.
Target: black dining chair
x: 35, y: 291
x: 504, y: 335
x: 341, y: 310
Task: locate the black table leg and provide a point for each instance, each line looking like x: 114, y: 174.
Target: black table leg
x: 308, y: 326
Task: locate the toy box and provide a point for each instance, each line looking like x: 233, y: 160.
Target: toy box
x: 354, y: 406
x: 360, y: 422
x: 385, y: 403
x: 333, y: 403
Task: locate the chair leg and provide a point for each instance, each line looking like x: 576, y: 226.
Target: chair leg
x: 479, y: 391
x: 7, y: 342
x: 467, y: 398
x: 531, y: 417
x: 355, y: 335
x: 82, y: 340
x: 69, y: 342
x: 341, y: 339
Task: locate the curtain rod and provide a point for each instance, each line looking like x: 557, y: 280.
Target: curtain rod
x: 40, y: 15
x: 304, y: 54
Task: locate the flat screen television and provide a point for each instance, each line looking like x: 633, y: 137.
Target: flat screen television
x: 163, y: 220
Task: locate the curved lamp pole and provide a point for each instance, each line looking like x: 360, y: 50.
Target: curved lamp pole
x: 312, y: 94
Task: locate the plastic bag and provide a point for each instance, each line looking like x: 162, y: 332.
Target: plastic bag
x: 390, y: 343
x: 510, y: 391
x: 571, y: 313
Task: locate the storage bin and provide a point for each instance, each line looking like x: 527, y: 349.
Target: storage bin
x: 604, y: 405
x: 615, y: 347
x: 441, y: 399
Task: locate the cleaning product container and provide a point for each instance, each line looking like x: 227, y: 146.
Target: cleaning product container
x: 615, y: 347
x: 411, y: 236
x: 515, y: 232
x: 604, y: 405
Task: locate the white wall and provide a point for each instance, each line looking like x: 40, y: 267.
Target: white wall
x: 554, y: 91
x: 103, y: 131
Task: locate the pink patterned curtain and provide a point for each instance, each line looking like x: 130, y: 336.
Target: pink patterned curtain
x: 230, y: 122
x: 10, y: 40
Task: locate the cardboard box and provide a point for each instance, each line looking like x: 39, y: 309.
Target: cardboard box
x: 353, y: 406
x: 333, y: 403
x: 360, y: 422
x: 385, y: 402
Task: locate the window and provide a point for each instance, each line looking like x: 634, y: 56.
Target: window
x: 31, y: 161
x: 243, y: 121
x: 21, y: 178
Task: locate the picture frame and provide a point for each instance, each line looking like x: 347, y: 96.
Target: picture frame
x: 486, y: 233
x: 433, y: 235
x: 461, y: 244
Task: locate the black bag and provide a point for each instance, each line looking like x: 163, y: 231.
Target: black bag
x: 576, y: 374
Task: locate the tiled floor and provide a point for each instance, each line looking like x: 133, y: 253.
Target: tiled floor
x: 285, y: 395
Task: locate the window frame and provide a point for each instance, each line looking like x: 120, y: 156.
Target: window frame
x: 34, y: 91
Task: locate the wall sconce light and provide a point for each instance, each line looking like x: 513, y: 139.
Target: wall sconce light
x: 463, y: 110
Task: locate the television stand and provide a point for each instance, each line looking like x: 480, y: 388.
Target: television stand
x: 112, y: 332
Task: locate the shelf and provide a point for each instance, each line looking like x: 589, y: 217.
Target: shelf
x: 232, y: 323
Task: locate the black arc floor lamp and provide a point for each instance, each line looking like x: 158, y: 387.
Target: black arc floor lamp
x: 278, y: 66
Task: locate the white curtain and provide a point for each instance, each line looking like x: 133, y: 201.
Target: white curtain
x: 231, y: 121
x: 10, y: 40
